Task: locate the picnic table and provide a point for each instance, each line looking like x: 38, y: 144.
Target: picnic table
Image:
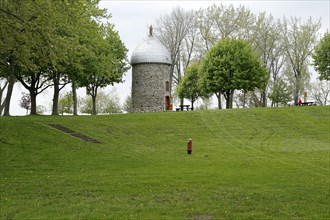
x: 182, y: 106
x: 308, y: 103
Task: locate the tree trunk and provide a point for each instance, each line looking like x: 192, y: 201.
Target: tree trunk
x: 33, y: 96
x: 219, y: 100
x: 74, y: 97
x: 296, y: 93
x: 296, y: 96
x: 56, y: 93
x: 264, y: 98
x: 11, y: 82
x: 192, y: 104
x: 181, y: 103
x: 297, y: 87
x: 244, y: 99
x: 2, y: 104
x: 229, y: 99
x: 228, y: 103
x: 94, y: 105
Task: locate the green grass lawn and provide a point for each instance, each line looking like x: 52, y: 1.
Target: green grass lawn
x: 270, y: 163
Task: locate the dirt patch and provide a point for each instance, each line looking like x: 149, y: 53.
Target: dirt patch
x: 203, y: 217
x: 74, y: 134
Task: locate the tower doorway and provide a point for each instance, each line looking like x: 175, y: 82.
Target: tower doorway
x: 168, y: 103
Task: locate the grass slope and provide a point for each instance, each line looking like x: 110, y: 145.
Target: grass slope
x: 270, y: 163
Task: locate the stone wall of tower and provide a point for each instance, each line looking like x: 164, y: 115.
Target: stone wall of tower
x: 149, y: 86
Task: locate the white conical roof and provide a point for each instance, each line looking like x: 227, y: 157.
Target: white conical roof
x: 151, y: 50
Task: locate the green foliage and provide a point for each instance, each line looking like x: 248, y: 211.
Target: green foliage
x: 248, y: 99
x: 46, y: 42
x: 41, y: 31
x: 265, y: 163
x: 86, y: 105
x: 105, y: 104
x: 107, y: 61
x: 205, y: 105
x: 280, y: 94
x: 297, y: 84
x: 105, y: 64
x: 128, y: 105
x: 231, y: 65
x: 298, y: 40
x: 112, y: 105
x: 188, y: 86
x: 66, y: 103
x: 220, y: 21
x: 321, y: 57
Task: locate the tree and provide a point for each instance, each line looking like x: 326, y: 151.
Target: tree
x: 303, y: 83
x: 267, y: 42
x: 75, y: 30
x: 35, y: 83
x: 66, y: 103
x: 177, y: 31
x: 231, y: 65
x: 321, y: 57
x: 40, y: 109
x: 25, y: 102
x: 106, y: 64
x: 299, y: 39
x: 221, y: 21
x: 13, y: 47
x: 247, y: 99
x: 26, y: 32
x: 112, y: 105
x: 37, y: 40
x: 86, y: 105
x: 229, y: 21
x: 2, y: 89
x: 205, y: 105
x: 320, y: 91
x: 128, y: 107
x: 280, y: 95
x: 188, y: 86
x: 106, y: 104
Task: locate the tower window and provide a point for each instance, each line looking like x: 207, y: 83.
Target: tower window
x: 167, y: 85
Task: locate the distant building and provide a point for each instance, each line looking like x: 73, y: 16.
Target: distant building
x: 151, y: 84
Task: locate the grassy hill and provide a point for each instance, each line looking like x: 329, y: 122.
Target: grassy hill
x: 270, y: 163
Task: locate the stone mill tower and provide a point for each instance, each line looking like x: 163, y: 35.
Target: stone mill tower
x: 151, y: 64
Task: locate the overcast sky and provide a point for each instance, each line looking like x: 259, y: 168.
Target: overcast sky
x: 132, y: 19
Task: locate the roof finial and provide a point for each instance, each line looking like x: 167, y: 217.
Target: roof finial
x: 150, y: 31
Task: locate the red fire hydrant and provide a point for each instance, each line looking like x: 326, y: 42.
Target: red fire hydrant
x: 189, y: 146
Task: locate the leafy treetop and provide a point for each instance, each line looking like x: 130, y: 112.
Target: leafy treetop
x: 322, y: 57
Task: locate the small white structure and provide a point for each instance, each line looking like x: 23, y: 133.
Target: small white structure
x: 151, y: 85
